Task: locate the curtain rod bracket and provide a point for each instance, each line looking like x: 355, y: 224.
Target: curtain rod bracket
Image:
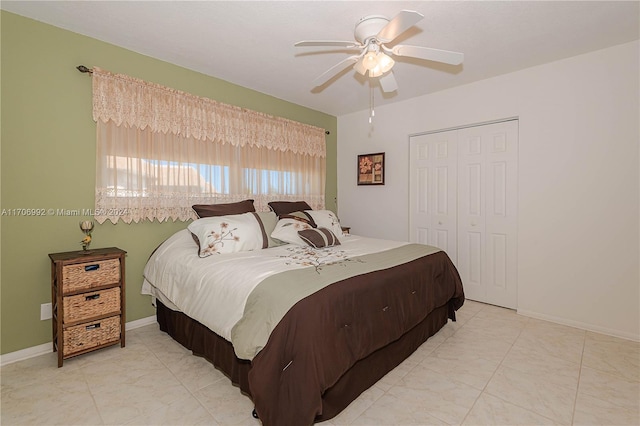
x: 84, y: 69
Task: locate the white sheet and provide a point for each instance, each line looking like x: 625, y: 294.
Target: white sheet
x: 214, y: 290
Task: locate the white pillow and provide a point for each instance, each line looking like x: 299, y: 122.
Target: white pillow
x: 287, y: 230
x: 326, y: 219
x: 227, y: 234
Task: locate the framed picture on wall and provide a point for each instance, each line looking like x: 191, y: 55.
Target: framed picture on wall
x: 371, y: 169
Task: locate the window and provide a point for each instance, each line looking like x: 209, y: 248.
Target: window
x: 159, y: 151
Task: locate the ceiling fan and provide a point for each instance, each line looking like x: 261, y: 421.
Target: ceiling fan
x: 372, y: 33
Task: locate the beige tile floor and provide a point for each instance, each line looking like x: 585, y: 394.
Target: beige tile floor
x: 491, y: 367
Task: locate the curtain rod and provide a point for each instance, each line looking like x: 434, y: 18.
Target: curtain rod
x: 84, y: 69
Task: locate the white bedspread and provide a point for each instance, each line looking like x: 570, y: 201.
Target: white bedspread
x: 214, y: 290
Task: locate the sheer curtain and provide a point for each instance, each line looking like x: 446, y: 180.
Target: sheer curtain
x: 159, y: 151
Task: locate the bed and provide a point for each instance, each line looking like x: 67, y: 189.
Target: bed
x: 302, y: 330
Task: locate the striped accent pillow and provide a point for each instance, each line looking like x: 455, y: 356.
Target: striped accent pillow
x: 319, y: 237
x: 300, y: 216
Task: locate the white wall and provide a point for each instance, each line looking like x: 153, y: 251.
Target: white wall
x: 579, y: 185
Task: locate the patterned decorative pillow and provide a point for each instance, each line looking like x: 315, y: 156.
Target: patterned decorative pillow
x: 211, y: 210
x: 227, y: 234
x: 319, y: 237
x: 287, y: 230
x: 326, y: 219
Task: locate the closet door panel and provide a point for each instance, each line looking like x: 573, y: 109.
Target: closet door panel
x: 470, y: 263
x: 497, y: 261
x: 433, y: 182
x: 501, y: 224
x: 421, y: 212
x: 471, y: 212
x: 419, y: 199
x: 487, y: 207
x: 443, y: 153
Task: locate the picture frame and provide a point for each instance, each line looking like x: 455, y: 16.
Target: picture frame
x: 370, y: 168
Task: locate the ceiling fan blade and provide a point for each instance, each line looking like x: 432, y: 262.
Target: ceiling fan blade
x: 324, y: 77
x: 388, y: 82
x: 445, y: 56
x: 327, y: 43
x: 404, y: 20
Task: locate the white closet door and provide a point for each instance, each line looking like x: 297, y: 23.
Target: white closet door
x: 487, y: 212
x: 433, y: 183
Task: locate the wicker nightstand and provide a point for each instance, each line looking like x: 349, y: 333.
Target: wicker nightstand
x: 88, y: 300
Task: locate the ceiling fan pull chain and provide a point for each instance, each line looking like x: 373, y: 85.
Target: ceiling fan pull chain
x: 372, y: 112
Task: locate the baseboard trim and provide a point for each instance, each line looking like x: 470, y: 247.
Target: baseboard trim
x: 45, y: 348
x: 580, y: 325
x: 27, y: 353
x: 131, y: 325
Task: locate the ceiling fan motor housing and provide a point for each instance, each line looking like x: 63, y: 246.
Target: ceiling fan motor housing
x: 369, y: 27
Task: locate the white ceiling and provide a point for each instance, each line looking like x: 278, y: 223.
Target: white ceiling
x: 250, y: 43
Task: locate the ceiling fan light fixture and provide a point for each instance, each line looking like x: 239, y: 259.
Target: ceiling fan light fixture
x: 376, y: 72
x: 359, y: 67
x: 370, y: 60
x: 383, y: 64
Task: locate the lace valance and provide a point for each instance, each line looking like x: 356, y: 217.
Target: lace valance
x: 140, y: 104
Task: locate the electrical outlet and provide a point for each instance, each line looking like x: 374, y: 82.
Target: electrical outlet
x: 45, y: 311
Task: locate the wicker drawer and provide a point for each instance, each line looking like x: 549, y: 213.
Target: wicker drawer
x: 88, y: 305
x: 84, y: 276
x: 89, y: 335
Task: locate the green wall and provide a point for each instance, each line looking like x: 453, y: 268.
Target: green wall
x: 48, y: 162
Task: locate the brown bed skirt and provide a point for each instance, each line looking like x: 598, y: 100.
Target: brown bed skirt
x: 362, y: 375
